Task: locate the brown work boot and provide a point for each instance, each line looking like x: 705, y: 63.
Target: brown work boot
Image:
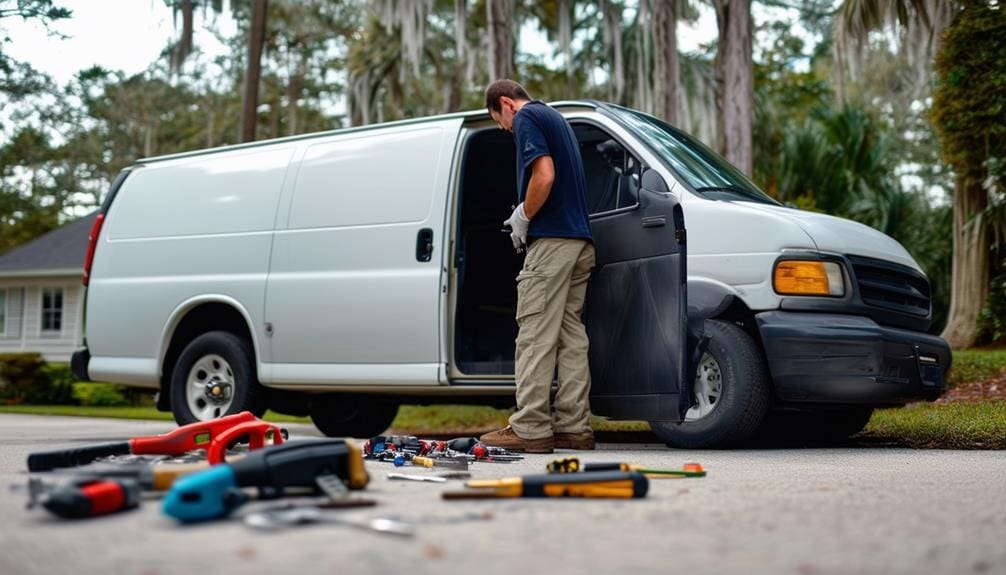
x: 507, y: 438
x: 583, y: 440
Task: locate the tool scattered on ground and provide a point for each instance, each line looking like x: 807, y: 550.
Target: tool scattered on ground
x: 402, y: 450
x: 574, y: 465
x: 84, y: 497
x: 595, y: 484
x: 328, y: 465
x: 460, y: 463
x: 150, y: 475
x: 200, y: 435
x: 303, y: 515
x: 426, y: 478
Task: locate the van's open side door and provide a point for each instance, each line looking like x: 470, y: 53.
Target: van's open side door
x: 636, y: 308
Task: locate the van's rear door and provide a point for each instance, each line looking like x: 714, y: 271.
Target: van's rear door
x: 636, y: 308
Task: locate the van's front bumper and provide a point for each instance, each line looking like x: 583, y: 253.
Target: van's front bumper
x: 835, y: 358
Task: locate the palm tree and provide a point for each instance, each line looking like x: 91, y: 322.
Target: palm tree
x: 972, y: 241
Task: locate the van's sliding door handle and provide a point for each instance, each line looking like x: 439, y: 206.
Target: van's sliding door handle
x: 424, y: 245
x: 654, y: 222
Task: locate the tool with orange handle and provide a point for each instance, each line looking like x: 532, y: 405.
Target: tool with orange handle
x: 573, y: 465
x: 595, y: 484
x: 187, y: 438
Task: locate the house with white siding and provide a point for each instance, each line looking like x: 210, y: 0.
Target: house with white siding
x: 41, y: 294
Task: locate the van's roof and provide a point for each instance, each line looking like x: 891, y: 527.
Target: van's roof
x: 469, y: 115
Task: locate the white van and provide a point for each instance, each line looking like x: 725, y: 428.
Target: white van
x: 344, y: 273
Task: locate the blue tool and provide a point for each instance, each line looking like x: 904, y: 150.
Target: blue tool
x: 314, y: 464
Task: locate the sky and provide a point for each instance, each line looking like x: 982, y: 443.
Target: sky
x: 129, y: 35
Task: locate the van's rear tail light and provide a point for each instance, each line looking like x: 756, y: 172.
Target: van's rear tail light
x: 92, y: 241
x: 797, y: 277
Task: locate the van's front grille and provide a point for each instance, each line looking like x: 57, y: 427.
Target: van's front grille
x: 891, y: 286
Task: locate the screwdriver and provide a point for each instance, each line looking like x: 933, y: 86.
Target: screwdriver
x: 85, y: 497
x: 573, y: 465
x: 459, y: 463
x: 595, y: 484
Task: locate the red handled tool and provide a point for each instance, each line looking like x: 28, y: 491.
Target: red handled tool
x: 85, y: 497
x: 199, y: 435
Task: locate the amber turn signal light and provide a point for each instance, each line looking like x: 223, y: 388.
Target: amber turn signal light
x: 798, y: 277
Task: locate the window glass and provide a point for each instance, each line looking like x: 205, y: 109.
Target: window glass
x: 612, y: 173
x: 704, y: 170
x: 52, y: 310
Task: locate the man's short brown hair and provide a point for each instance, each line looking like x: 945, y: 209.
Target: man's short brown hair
x: 501, y: 88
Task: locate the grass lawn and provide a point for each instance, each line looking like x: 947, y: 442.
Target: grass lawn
x: 930, y: 426
x: 954, y: 425
x: 943, y: 426
x: 976, y: 365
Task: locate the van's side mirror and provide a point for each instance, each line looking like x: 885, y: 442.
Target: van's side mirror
x: 654, y: 182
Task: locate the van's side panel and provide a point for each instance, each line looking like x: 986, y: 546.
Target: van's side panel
x: 345, y: 286
x: 180, y: 229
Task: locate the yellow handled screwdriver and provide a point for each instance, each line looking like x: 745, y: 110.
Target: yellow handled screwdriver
x: 573, y: 465
x: 599, y: 484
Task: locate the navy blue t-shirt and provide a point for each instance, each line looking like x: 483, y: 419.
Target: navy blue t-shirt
x: 541, y: 131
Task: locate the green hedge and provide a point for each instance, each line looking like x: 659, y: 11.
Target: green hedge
x: 26, y: 378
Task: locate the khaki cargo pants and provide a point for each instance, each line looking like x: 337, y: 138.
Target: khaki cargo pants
x: 551, y: 289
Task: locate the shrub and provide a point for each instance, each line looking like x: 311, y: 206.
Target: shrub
x: 99, y: 394
x: 26, y: 378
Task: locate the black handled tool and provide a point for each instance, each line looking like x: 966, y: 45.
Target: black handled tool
x: 596, y: 484
x: 327, y: 464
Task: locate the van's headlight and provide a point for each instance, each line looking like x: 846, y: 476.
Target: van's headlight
x: 808, y: 277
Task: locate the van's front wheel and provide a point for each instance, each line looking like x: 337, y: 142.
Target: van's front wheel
x: 213, y: 377
x: 731, y: 393
x: 338, y: 415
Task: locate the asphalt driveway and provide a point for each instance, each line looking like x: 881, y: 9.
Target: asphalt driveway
x: 802, y: 511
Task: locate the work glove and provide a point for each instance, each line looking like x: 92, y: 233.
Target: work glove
x: 518, y: 223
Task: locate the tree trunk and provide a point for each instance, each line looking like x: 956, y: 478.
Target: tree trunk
x: 293, y: 91
x: 460, y: 48
x: 185, y: 44
x: 256, y: 40
x: 500, y: 40
x: 566, y: 44
x: 734, y: 82
x: 611, y: 13
x: 970, y: 280
x: 665, y: 63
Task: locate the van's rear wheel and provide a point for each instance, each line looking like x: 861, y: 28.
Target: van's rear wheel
x: 348, y: 416
x: 213, y: 377
x: 731, y: 393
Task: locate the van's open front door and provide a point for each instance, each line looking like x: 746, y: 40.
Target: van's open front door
x: 636, y: 308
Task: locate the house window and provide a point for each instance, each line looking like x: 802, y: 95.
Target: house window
x: 52, y: 310
x: 3, y: 312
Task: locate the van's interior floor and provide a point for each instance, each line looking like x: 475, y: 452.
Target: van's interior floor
x: 485, y: 328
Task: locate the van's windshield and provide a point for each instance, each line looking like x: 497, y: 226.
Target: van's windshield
x: 704, y: 170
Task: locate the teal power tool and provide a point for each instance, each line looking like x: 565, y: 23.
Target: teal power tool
x: 329, y: 465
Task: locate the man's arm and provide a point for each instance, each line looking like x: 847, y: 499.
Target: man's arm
x: 540, y: 185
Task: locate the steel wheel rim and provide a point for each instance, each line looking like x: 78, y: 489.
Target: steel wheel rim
x: 209, y: 388
x: 708, y: 388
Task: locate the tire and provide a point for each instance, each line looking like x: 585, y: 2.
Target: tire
x: 824, y: 425
x: 215, y: 376
x: 348, y: 416
x: 732, y: 391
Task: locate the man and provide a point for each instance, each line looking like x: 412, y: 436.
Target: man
x: 550, y: 222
